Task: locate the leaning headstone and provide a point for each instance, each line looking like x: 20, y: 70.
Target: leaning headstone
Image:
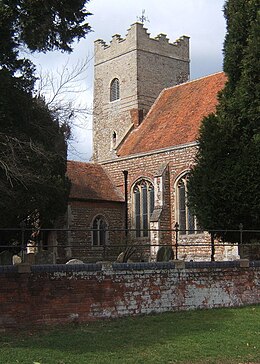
x: 16, y: 259
x: 125, y: 256
x: 120, y: 258
x: 164, y: 254
x: 75, y: 261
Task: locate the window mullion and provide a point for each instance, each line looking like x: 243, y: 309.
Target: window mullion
x: 98, y: 235
x: 141, y: 211
x: 186, y: 207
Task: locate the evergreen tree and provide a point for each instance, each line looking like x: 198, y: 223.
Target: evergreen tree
x: 33, y: 147
x: 224, y: 184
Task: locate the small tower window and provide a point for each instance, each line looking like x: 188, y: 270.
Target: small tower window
x: 114, y: 139
x: 114, y: 90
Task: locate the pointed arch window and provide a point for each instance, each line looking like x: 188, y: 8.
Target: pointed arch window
x: 143, y: 203
x: 186, y: 220
x: 114, y: 90
x: 99, y: 231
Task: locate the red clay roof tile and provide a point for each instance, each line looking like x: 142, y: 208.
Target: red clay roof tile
x: 175, y: 117
x: 89, y: 181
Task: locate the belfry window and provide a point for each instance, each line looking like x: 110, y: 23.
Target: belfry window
x: 99, y: 231
x: 186, y: 220
x: 143, y: 203
x: 114, y: 90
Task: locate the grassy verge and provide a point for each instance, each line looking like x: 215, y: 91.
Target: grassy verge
x: 225, y: 336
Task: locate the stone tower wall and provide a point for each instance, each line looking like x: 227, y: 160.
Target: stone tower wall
x: 144, y: 67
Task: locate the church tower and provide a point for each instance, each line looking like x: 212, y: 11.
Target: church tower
x: 129, y: 74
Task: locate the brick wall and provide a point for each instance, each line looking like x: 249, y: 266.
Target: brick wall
x: 73, y: 238
x: 147, y: 165
x: 178, y: 159
x: 78, y: 242
x: 62, y: 294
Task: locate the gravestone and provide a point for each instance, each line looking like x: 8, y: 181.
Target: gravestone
x: 16, y: 259
x: 75, y: 261
x: 165, y: 254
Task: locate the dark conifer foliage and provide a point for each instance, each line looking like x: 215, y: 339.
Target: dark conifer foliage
x: 224, y: 185
x: 33, y: 146
x: 40, y: 25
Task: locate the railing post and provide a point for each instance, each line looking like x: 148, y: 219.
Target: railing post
x: 212, y: 258
x: 23, y: 247
x: 176, y: 239
x: 240, y: 233
x: 126, y: 203
x: 104, y: 245
x: 240, y: 244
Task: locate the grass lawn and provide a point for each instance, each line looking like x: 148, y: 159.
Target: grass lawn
x: 204, y: 336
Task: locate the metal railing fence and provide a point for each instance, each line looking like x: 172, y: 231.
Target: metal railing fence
x: 22, y: 240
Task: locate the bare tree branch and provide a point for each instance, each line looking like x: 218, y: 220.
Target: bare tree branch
x: 65, y: 93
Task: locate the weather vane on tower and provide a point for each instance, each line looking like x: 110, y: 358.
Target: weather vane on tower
x: 143, y: 18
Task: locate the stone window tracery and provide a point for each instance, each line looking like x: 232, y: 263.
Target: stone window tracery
x: 143, y: 205
x: 114, y: 90
x: 99, y: 231
x: 186, y: 220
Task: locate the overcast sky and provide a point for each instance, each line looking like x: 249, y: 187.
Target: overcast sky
x: 201, y: 20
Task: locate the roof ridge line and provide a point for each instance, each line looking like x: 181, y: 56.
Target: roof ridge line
x: 175, y: 86
x: 115, y: 188
x: 75, y: 161
x: 191, y: 81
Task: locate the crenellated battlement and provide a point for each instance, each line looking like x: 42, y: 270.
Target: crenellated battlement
x: 143, y: 66
x: 137, y: 38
